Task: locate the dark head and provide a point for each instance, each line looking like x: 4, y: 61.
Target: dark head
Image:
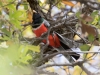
x: 37, y: 20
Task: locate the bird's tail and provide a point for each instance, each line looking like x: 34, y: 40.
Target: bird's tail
x: 66, y: 45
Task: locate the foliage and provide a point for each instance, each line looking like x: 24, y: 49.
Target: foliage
x: 15, y: 55
x: 15, y: 58
x: 84, y: 47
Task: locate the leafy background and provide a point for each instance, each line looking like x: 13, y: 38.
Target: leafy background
x: 16, y: 57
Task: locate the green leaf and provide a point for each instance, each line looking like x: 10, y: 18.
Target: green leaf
x: 5, y: 38
x: 6, y: 32
x: 0, y: 3
x: 99, y: 21
x: 24, y: 50
x: 11, y: 7
x: 34, y: 48
x: 24, y: 56
x: 78, y: 15
x: 96, y: 19
x: 1, y: 23
x: 12, y: 52
x: 91, y: 38
x: 94, y: 13
x: 16, y: 23
x: 19, y: 15
x: 26, y: 7
x: 84, y: 47
x: 25, y: 59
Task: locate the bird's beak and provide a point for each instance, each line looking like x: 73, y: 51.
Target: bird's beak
x: 34, y: 11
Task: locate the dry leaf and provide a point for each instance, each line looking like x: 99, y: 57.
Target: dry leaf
x: 68, y: 3
x: 30, y: 16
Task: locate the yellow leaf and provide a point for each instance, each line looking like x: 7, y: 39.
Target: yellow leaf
x: 78, y: 71
x: 50, y: 69
x: 27, y: 33
x: 98, y: 0
x: 76, y: 37
x: 30, y: 16
x: 92, y: 58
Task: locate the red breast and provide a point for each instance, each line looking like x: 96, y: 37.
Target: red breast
x: 41, y: 29
x: 53, y: 39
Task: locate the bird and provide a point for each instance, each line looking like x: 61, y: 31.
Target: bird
x: 40, y: 26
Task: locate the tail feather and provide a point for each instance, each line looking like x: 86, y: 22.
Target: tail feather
x: 66, y: 46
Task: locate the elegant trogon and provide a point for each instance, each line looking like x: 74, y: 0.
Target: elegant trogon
x: 40, y: 26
